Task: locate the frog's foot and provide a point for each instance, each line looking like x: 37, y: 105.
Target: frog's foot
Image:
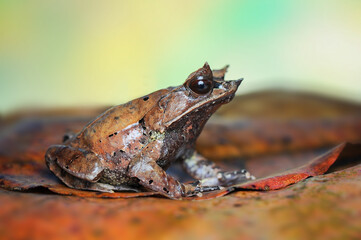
x: 68, y: 136
x: 226, y: 179
x: 196, y: 189
x: 209, y: 174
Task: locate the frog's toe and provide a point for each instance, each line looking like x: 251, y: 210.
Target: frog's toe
x: 207, y: 188
x: 234, y: 177
x: 196, y: 188
x: 226, y: 179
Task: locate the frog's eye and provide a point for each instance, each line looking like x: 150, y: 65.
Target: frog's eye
x: 201, y: 85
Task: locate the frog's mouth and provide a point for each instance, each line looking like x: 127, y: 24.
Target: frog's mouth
x: 223, y: 92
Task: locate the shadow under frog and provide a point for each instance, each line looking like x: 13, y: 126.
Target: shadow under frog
x: 129, y: 146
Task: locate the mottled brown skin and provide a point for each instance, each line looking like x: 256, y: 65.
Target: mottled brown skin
x: 130, y: 146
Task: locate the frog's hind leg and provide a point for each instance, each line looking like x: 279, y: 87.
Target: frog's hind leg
x: 78, y: 169
x: 76, y: 161
x: 209, y: 174
x: 74, y: 182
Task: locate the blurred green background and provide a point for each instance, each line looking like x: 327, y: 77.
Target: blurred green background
x: 89, y: 53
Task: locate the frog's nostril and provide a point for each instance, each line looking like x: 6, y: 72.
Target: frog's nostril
x: 216, y: 85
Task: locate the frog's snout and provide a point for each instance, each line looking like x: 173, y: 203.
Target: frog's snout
x: 228, y: 84
x: 233, y: 85
x: 238, y: 82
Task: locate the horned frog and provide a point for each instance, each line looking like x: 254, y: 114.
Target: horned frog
x: 130, y: 146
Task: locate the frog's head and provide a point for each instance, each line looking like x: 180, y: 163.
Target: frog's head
x: 197, y: 99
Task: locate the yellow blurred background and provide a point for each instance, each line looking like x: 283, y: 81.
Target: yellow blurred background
x: 90, y: 53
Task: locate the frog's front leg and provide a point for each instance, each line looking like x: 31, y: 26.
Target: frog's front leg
x: 209, y: 174
x: 153, y: 177
x: 76, y: 167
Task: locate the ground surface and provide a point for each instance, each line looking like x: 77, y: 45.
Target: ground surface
x: 321, y: 207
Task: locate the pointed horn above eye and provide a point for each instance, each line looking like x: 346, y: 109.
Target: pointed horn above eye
x: 203, y: 71
x: 220, y: 73
x: 206, y: 66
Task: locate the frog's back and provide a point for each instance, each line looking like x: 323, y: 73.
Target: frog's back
x: 118, y: 118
